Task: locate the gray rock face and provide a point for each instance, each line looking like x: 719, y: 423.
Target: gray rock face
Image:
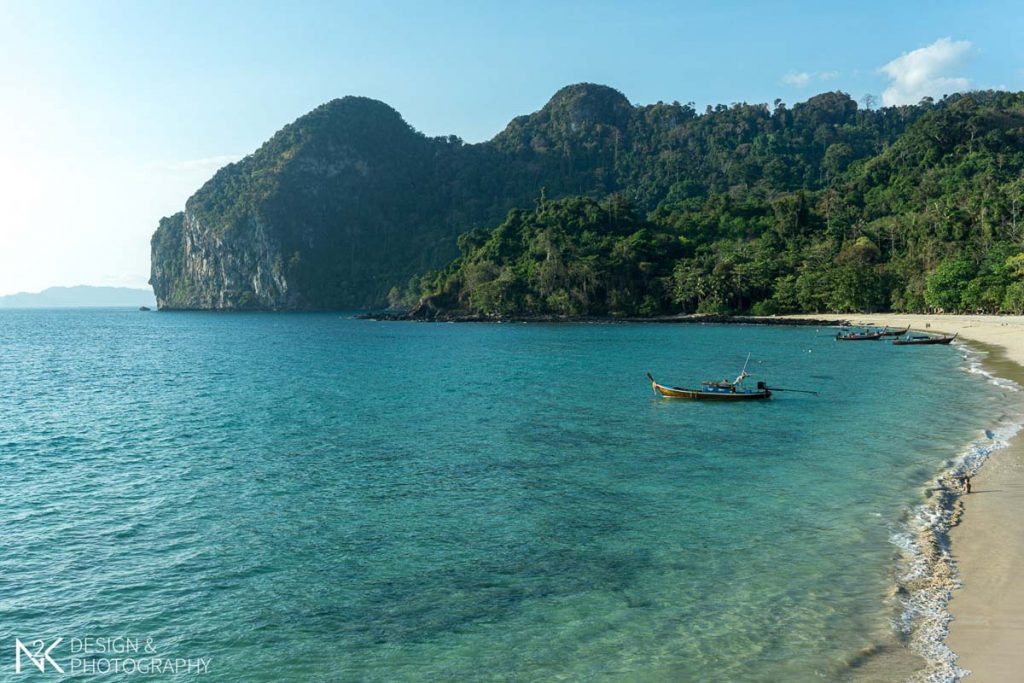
x: 240, y: 270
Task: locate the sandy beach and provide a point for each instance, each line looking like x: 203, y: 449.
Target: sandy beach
x: 988, y: 545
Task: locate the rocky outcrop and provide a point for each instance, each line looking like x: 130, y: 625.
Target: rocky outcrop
x: 200, y: 268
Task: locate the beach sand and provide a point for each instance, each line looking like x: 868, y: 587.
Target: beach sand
x: 988, y: 545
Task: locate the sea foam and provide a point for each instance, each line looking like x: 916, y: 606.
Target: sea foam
x: 927, y: 573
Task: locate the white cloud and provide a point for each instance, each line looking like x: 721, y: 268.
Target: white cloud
x: 926, y: 72
x: 795, y: 79
x: 800, y: 79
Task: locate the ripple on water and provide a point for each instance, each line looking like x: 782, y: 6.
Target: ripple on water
x: 311, y: 497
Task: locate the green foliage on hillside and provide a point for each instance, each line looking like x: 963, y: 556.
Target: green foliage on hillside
x: 933, y: 222
x: 570, y: 257
x: 820, y: 206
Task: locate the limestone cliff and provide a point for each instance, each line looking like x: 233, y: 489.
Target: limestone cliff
x: 198, y: 268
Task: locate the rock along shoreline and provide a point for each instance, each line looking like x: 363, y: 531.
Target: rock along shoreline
x: 668, y: 319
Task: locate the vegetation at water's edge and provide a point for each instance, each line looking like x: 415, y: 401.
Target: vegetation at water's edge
x: 934, y: 222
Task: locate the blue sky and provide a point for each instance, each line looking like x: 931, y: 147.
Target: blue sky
x: 112, y: 113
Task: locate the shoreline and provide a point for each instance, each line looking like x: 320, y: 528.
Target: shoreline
x: 682, y: 319
x: 987, y: 547
x: 967, y: 592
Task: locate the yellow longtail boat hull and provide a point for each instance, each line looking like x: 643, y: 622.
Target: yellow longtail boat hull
x: 708, y: 394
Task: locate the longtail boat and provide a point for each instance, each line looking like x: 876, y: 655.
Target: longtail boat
x: 922, y: 339
x: 886, y: 332
x: 859, y: 336
x: 711, y: 391
x: 715, y: 391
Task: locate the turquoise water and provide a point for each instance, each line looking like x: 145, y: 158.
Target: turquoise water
x: 313, y: 497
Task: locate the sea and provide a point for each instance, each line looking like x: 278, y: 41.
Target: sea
x: 316, y: 497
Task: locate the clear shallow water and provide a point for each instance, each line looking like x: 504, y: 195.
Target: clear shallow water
x: 310, y: 497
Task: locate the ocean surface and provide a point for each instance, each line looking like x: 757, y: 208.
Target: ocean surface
x: 318, y: 498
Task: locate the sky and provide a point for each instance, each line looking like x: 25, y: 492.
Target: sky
x: 113, y: 113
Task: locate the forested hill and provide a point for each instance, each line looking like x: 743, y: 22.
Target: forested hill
x: 616, y: 209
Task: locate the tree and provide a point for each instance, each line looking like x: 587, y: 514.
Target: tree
x: 1013, y: 302
x: 946, y: 285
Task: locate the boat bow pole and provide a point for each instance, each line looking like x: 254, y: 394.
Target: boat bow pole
x: 799, y: 391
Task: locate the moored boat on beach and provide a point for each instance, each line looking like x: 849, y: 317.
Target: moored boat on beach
x: 859, y: 336
x: 924, y: 340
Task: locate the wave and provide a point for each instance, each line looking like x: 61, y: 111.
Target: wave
x: 927, y: 575
x: 973, y: 365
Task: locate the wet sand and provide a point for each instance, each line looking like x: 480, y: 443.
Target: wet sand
x: 988, y: 545
x: 988, y: 548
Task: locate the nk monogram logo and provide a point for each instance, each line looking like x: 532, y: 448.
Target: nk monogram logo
x: 38, y: 655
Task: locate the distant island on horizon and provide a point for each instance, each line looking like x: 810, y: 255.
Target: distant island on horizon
x: 81, y: 296
x: 594, y: 206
